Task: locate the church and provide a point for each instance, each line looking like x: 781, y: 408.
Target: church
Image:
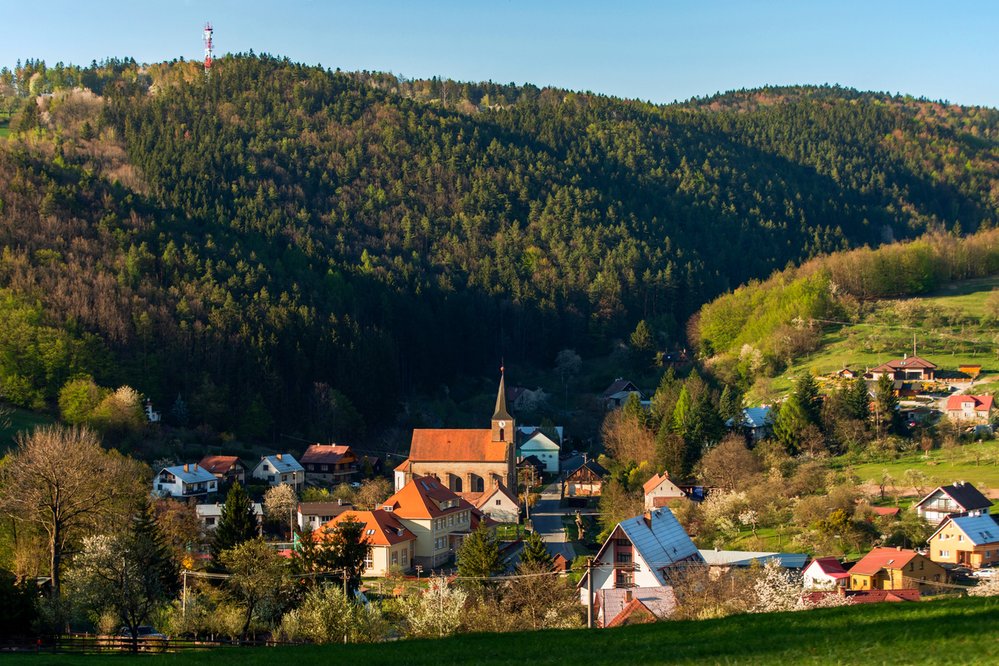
x: 467, y: 461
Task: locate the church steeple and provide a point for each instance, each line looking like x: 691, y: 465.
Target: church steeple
x: 503, y: 425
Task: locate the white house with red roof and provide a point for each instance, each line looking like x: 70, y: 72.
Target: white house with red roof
x: 906, y: 369
x: 659, y: 490
x: 970, y: 408
x: 824, y: 573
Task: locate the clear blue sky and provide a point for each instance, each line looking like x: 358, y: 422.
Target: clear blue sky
x: 660, y: 50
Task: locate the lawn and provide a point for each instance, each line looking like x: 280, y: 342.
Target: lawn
x: 21, y: 420
x: 977, y: 463
x: 959, y: 631
x: 882, y: 336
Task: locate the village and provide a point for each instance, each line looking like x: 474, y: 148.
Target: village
x: 513, y: 490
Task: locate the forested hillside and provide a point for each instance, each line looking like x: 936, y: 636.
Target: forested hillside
x: 282, y: 244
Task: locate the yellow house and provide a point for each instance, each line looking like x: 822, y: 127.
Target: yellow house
x: 391, y: 545
x: 895, y: 569
x: 438, y: 518
x: 971, y: 541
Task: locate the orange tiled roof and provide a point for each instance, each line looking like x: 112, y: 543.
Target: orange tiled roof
x: 905, y: 364
x: 423, y: 497
x: 478, y: 500
x: 381, y: 528
x: 882, y: 558
x: 327, y: 454
x: 468, y: 445
x: 218, y: 464
x: 654, y: 482
x: 981, y: 403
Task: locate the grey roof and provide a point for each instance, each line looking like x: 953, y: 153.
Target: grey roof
x: 979, y: 529
x: 195, y: 473
x: 215, y: 509
x: 745, y: 558
x: 660, y: 541
x: 286, y: 465
x: 965, y: 494
x: 619, y: 385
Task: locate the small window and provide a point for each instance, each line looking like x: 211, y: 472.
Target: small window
x: 370, y: 532
x: 499, y: 502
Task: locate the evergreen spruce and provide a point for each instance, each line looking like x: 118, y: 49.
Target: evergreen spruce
x: 237, y: 524
x: 886, y: 406
x: 858, y: 400
x: 806, y: 393
x: 534, y: 552
x: 730, y: 404
x: 479, y: 556
x: 147, y: 539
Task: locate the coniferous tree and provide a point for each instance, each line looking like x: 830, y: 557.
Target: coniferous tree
x: 730, y: 404
x: 858, y: 399
x: 158, y: 558
x: 885, y: 406
x: 479, y: 556
x: 790, y: 422
x: 534, y: 552
x: 806, y: 393
x: 682, y: 412
x: 237, y: 524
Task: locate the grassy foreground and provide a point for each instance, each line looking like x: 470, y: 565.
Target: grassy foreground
x: 962, y: 631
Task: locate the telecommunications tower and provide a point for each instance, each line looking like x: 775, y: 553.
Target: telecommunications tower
x: 209, y: 56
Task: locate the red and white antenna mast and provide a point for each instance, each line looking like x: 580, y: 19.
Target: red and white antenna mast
x: 209, y: 55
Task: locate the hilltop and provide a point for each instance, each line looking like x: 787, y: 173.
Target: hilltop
x: 298, y: 249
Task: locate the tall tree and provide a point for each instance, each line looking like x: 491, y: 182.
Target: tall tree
x: 62, y: 481
x: 258, y: 577
x: 534, y: 552
x: 130, y: 573
x: 479, y: 556
x: 806, y: 392
x: 730, y: 404
x: 237, y: 524
x: 858, y: 399
x: 885, y: 407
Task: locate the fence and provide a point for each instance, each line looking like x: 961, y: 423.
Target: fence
x: 97, y: 644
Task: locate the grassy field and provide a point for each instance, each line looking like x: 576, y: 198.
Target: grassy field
x: 947, y: 324
x: 964, y: 631
x: 21, y: 420
x: 977, y: 463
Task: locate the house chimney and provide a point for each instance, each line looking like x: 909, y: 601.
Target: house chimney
x: 627, y: 596
x: 186, y: 467
x: 278, y: 456
x: 339, y: 501
x: 898, y: 547
x: 195, y: 467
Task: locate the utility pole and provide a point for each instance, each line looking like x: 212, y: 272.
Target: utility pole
x: 183, y: 597
x: 344, y: 572
x: 589, y: 593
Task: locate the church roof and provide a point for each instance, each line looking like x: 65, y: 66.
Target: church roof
x: 453, y: 444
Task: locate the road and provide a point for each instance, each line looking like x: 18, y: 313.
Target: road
x: 546, y: 517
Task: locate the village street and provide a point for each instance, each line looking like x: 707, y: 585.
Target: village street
x: 546, y: 517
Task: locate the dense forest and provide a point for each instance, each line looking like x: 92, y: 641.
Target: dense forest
x: 291, y: 246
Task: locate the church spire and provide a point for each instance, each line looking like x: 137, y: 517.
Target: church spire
x: 500, y: 413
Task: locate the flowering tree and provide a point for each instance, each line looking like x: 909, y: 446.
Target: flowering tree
x: 436, y: 612
x: 986, y: 588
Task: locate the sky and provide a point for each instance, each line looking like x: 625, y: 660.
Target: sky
x: 659, y: 51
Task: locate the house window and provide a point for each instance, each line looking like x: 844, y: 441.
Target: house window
x: 499, y: 502
x: 395, y: 558
x: 210, y: 520
x: 369, y: 559
x: 266, y: 468
x: 944, y: 553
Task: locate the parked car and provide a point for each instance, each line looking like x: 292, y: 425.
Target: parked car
x: 984, y: 573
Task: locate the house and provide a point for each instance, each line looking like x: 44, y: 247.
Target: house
x: 824, y: 573
x: 225, y: 468
x: 659, y: 490
x: 498, y: 503
x: 525, y: 400
x: 956, y: 499
x: 880, y: 596
x: 210, y: 514
x: 313, y: 515
x: 187, y: 480
x: 391, y: 545
x: 641, y: 552
x: 532, y: 463
x: 722, y: 561
x: 280, y: 468
x: 845, y: 373
x: 617, y: 393
x: 584, y: 481
x: 465, y: 460
x: 970, y: 408
x: 907, y: 368
x: 436, y: 515
x: 895, y: 569
x: 328, y: 464
x: 757, y: 422
x: 970, y: 541
x: 544, y: 444
x: 634, y: 605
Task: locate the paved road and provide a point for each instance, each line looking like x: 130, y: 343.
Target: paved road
x: 546, y: 516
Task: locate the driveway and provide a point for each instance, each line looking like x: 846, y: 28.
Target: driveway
x: 546, y: 516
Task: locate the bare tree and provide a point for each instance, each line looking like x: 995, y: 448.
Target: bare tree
x: 63, y: 481
x: 730, y: 464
